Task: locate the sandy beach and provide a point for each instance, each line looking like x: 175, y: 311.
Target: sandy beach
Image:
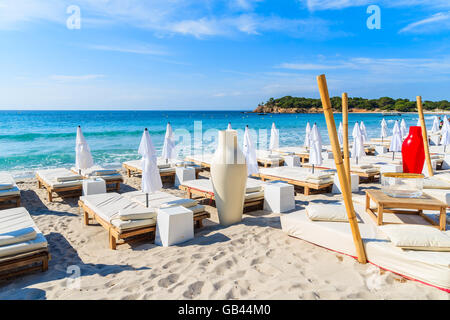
x: 250, y: 260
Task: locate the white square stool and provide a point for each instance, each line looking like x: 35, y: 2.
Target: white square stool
x: 173, y: 226
x: 183, y: 174
x: 292, y: 161
x: 391, y: 168
x: 279, y: 197
x: 337, y: 186
x: 446, y: 163
x: 94, y: 186
x: 380, y: 150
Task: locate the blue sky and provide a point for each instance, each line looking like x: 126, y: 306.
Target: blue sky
x: 214, y: 54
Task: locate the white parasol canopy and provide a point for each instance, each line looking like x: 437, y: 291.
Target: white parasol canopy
x: 151, y: 179
x: 358, y: 143
x: 83, y: 157
x: 341, y: 134
x: 315, y: 152
x: 307, y: 142
x: 403, y: 129
x: 250, y: 153
x: 445, y: 132
x: 168, y: 151
x: 396, y: 141
x: 274, y: 138
x: 362, y: 127
x: 383, y: 129
x: 435, y: 127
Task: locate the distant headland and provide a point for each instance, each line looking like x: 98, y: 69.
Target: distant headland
x: 290, y: 104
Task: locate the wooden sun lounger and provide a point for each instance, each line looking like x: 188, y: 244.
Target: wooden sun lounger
x: 363, y: 176
x: 266, y: 163
x: 249, y: 204
x: 132, y: 170
x: 63, y: 192
x: 24, y: 263
x: 307, y: 186
x: 118, y: 237
x: 111, y: 184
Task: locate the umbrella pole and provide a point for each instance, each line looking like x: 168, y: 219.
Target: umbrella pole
x: 393, y: 155
x: 345, y: 134
x: 146, y: 200
x: 312, y: 168
x: 346, y: 191
x: 424, y: 136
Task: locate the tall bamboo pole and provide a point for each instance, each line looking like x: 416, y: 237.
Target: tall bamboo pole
x: 424, y: 135
x: 345, y: 136
x: 346, y: 191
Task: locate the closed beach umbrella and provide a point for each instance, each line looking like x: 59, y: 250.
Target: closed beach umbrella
x: 362, y: 127
x: 358, y: 144
x: 404, y: 129
x: 315, y: 151
x: 274, y: 138
x: 341, y: 134
x: 250, y: 153
x: 151, y: 180
x: 383, y: 129
x: 445, y: 132
x: 435, y: 127
x: 396, y: 142
x: 307, y: 143
x: 83, y: 157
x: 168, y: 151
x: 229, y: 126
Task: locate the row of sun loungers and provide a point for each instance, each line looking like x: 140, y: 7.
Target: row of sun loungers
x: 165, y: 169
x: 265, y: 158
x: 126, y: 216
x: 23, y: 248
x: 254, y: 193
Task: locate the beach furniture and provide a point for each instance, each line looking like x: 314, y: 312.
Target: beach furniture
x: 366, y: 171
x: 174, y: 226
x: 112, y: 177
x: 409, y: 206
x: 126, y: 216
x: 23, y: 248
x: 428, y: 267
x: 165, y: 169
x: 300, y: 152
x: 61, y: 181
x: 279, y: 197
x: 9, y: 192
x: 254, y: 193
x: 320, y: 181
x: 267, y: 159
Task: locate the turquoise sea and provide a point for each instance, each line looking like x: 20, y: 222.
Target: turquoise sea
x: 31, y: 140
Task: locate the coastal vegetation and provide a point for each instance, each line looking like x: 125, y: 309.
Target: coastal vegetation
x: 289, y: 104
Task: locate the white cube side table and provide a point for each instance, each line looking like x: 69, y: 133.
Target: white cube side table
x: 446, y: 163
x: 94, y: 186
x: 391, y: 168
x: 337, y: 186
x: 279, y: 197
x: 380, y: 150
x: 292, y: 161
x: 183, y: 174
x: 174, y: 225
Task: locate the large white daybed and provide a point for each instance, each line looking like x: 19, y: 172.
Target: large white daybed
x: 61, y: 181
x: 9, y: 192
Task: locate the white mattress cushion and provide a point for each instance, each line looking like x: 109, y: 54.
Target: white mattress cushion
x: 19, y: 233
x: 6, y: 186
x: 327, y: 212
x: 10, y: 192
x: 141, y: 214
x: 53, y: 177
x: 417, y: 237
x: 187, y: 203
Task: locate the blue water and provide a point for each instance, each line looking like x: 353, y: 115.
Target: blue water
x: 31, y: 140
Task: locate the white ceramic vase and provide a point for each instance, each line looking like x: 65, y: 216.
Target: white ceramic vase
x: 229, y: 178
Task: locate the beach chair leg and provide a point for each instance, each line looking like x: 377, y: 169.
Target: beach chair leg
x: 128, y: 173
x: 307, y: 191
x: 380, y: 215
x: 118, y: 186
x: 45, y: 264
x: 112, y: 242
x: 39, y: 184
x: 86, y: 218
x: 442, y: 219
x: 18, y: 202
x: 50, y: 196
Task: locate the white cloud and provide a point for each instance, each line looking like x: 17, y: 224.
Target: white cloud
x: 437, y: 22
x: 143, y: 49
x: 317, y: 5
x: 68, y: 78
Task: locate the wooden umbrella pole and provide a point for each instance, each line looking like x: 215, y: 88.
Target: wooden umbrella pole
x: 424, y: 136
x: 346, y: 191
x: 345, y: 135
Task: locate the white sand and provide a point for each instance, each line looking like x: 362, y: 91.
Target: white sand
x: 251, y: 260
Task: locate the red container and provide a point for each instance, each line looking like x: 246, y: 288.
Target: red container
x: 413, y: 152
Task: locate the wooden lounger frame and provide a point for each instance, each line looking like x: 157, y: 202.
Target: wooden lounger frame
x: 24, y: 263
x: 256, y: 203
x: 69, y: 191
x: 111, y: 184
x: 11, y: 198
x: 127, y: 236
x: 363, y: 176
x: 307, y: 186
x: 269, y: 163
